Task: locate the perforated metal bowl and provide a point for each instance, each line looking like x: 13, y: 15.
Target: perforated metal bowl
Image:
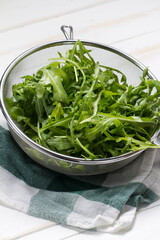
x: 32, y: 60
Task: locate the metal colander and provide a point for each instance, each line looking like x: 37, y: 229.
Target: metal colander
x: 32, y: 60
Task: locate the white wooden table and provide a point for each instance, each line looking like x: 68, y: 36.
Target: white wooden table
x: 132, y: 26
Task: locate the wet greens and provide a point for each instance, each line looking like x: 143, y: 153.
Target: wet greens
x: 77, y: 107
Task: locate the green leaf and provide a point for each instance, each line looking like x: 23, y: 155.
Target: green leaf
x: 60, y: 143
x: 57, y: 111
x: 50, y: 77
x: 40, y: 90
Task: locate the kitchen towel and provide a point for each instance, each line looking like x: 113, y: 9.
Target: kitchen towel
x: 106, y: 202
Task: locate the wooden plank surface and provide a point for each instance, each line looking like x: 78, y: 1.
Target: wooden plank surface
x: 18, y: 13
x: 104, y: 23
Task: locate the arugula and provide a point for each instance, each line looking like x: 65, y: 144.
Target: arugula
x: 78, y: 107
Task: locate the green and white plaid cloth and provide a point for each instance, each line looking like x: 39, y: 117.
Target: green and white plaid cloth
x: 105, y: 202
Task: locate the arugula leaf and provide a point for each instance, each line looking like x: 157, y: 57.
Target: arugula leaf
x: 78, y: 107
x: 59, y: 142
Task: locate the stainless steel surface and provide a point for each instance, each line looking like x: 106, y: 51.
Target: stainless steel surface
x: 64, y: 30
x: 28, y: 63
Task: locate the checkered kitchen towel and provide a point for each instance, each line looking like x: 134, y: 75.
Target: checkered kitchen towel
x: 106, y: 202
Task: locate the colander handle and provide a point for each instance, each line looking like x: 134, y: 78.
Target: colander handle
x: 64, y: 29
